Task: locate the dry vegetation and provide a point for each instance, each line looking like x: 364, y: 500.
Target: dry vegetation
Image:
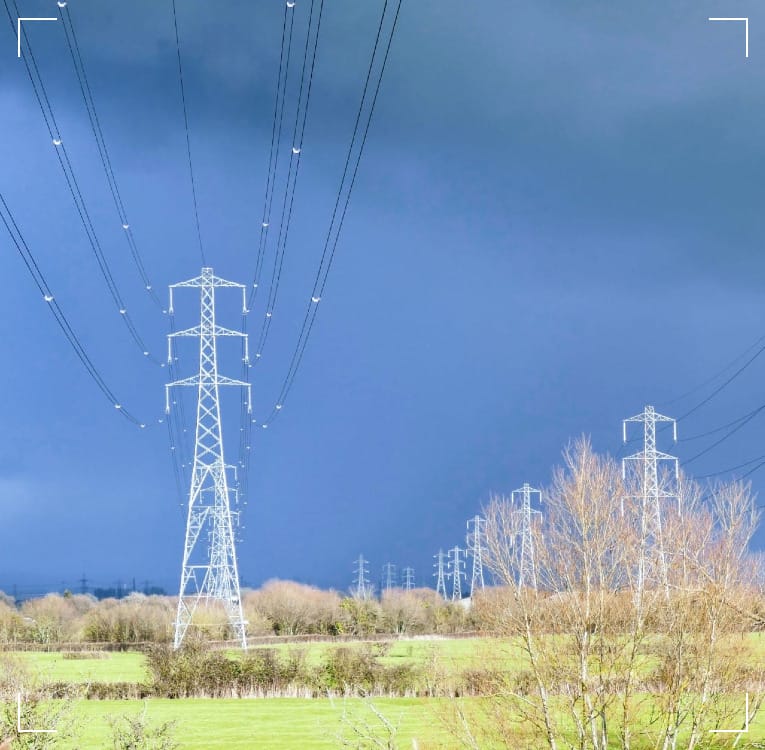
x: 279, y: 608
x: 607, y: 662
x: 635, y: 637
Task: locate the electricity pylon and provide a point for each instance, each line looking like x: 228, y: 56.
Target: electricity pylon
x: 651, y: 495
x: 456, y: 567
x: 389, y: 576
x: 475, y: 548
x: 440, y: 573
x: 408, y: 574
x: 209, y: 571
x: 361, y: 587
x: 527, y: 569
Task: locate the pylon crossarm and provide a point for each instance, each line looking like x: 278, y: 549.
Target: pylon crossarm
x: 197, y: 331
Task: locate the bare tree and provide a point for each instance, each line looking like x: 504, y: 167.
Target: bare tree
x: 601, y: 607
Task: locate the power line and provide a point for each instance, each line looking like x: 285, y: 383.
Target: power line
x: 273, y: 164
x: 714, y: 430
x: 103, y: 151
x: 733, y: 468
x: 714, y: 377
x: 188, y: 139
x: 337, y: 225
x: 288, y: 200
x: 724, y: 385
x: 743, y: 423
x: 74, y: 189
x: 34, y: 270
x: 273, y: 156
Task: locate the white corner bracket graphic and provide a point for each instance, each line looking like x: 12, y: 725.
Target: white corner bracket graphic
x: 745, y: 730
x: 18, y: 30
x: 746, y: 31
x: 18, y: 721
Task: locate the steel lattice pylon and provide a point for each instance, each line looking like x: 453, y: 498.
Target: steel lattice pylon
x: 651, y: 534
x: 361, y: 587
x: 209, y: 570
x: 389, y: 578
x: 439, y: 574
x: 408, y: 579
x: 475, y: 548
x: 527, y: 569
x: 456, y: 567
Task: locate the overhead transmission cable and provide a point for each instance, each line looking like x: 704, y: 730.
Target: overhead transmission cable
x: 188, y: 139
x: 74, y: 189
x: 338, y: 214
x: 103, y: 151
x: 273, y: 156
x: 285, y: 53
x: 734, y: 468
x: 715, y: 430
x: 172, y: 421
x: 725, y: 384
x: 741, y: 423
x: 296, y: 148
x: 74, y: 341
x: 720, y: 372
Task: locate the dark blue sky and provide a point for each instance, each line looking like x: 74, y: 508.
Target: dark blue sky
x: 557, y: 220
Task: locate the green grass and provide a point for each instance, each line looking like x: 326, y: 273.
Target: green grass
x: 453, y: 655
x: 116, y: 667
x: 277, y: 723
x: 301, y: 724
x: 304, y: 724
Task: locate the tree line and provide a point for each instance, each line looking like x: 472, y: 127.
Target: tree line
x: 279, y: 608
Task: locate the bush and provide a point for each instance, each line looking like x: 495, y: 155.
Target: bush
x: 135, y: 733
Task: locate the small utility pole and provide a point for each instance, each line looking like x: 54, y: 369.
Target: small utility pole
x: 440, y: 574
x: 456, y: 567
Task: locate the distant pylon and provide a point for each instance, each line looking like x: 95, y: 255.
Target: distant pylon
x: 651, y: 536
x: 475, y: 529
x: 456, y: 568
x: 361, y: 587
x: 527, y: 569
x: 440, y: 574
x: 389, y: 577
x: 408, y: 574
x: 209, y: 571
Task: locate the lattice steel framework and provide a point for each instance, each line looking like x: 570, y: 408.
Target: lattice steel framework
x: 408, y: 578
x: 389, y: 577
x: 651, y: 495
x: 361, y: 587
x: 456, y: 570
x: 475, y: 534
x: 440, y: 574
x: 209, y: 571
x: 527, y: 567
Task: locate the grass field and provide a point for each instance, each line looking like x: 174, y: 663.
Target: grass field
x: 452, y: 654
x: 114, y: 667
x: 305, y: 724
x: 278, y: 723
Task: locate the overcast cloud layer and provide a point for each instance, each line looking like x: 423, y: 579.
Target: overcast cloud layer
x: 557, y: 220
